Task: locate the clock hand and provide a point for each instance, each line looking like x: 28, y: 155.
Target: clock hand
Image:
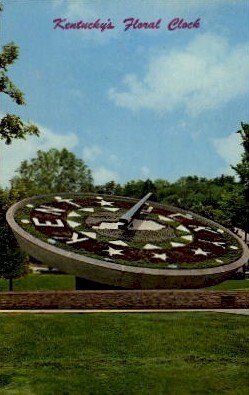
x: 127, y: 218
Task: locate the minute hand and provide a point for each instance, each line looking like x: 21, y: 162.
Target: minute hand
x: 126, y: 218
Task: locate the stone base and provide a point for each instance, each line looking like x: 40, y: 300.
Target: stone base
x: 127, y: 300
x: 82, y: 284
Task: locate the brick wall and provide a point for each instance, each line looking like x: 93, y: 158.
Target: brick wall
x: 152, y: 299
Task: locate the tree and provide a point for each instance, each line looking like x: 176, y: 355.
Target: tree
x: 149, y: 187
x: 234, y: 207
x: 13, y: 261
x: 138, y: 188
x: 161, y: 187
x: 109, y: 188
x: 11, y: 126
x: 52, y: 172
x: 242, y: 169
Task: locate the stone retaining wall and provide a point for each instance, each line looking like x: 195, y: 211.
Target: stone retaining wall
x: 152, y: 299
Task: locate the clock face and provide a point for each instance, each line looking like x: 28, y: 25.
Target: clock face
x: 158, y: 236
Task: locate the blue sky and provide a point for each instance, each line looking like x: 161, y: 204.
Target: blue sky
x: 132, y: 104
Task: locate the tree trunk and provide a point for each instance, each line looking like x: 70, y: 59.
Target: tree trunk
x: 10, y: 284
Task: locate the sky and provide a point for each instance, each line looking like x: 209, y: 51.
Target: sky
x: 136, y: 103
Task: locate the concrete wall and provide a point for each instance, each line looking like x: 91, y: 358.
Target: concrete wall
x: 156, y: 299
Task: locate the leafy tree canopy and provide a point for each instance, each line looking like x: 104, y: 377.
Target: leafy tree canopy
x: 11, y: 126
x: 13, y: 261
x: 242, y: 168
x: 51, y: 172
x: 109, y: 188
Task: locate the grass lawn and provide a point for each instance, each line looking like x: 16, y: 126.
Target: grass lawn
x: 41, y: 282
x: 174, y: 353
x: 66, y: 282
x: 230, y: 285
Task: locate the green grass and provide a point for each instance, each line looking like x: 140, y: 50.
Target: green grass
x: 175, y: 353
x: 41, y: 282
x: 66, y: 282
x: 230, y: 285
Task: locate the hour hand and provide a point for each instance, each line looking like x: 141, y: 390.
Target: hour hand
x: 127, y: 217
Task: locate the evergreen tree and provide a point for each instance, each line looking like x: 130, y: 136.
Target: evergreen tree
x: 13, y: 263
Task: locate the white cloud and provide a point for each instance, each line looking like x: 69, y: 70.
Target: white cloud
x: 101, y: 175
x: 91, y: 153
x: 145, y: 171
x: 12, y: 155
x: 229, y: 149
x: 82, y: 10
x: 113, y: 158
x: 124, y: 8
x: 205, y: 75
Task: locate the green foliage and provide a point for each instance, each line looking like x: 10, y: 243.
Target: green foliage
x: 7, y: 86
x: 9, y: 54
x: 13, y: 262
x: 234, y: 206
x: 138, y: 188
x: 161, y: 187
x: 53, y: 171
x: 242, y: 169
x: 208, y: 197
x: 11, y: 126
x: 110, y: 188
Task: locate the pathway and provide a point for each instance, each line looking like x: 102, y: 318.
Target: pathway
x: 80, y: 311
